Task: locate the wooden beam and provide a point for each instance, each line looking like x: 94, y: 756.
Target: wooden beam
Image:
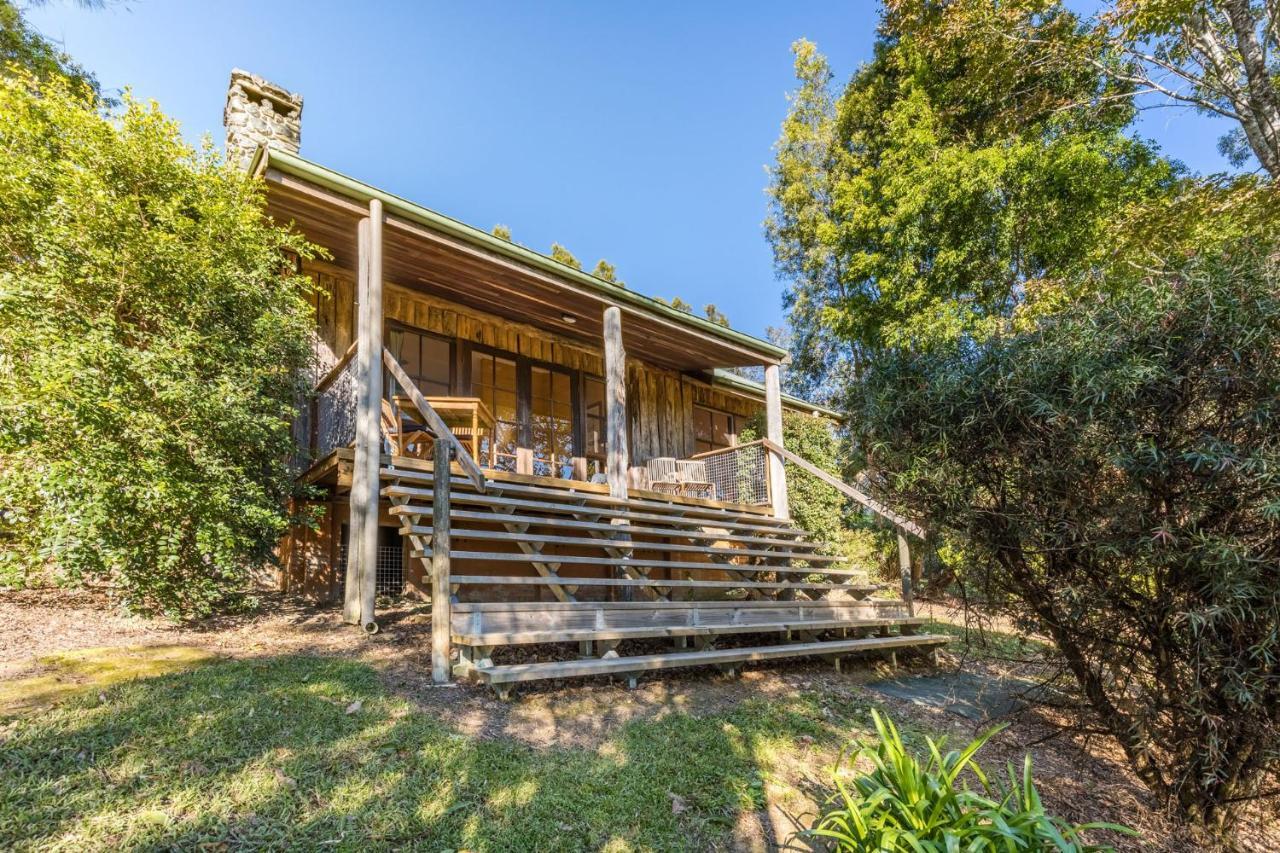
x: 362, y: 545
x: 435, y: 424
x: 773, y: 431
x: 615, y: 369
x: 440, y: 581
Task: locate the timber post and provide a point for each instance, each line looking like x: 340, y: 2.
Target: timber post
x: 441, y: 620
x: 615, y: 378
x: 615, y: 396
x: 773, y: 431
x: 351, y: 594
x: 904, y: 566
x: 362, y: 559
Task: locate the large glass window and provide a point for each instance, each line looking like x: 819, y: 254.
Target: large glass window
x: 427, y: 359
x: 713, y: 429
x: 551, y: 421
x: 494, y: 380
x: 596, y: 418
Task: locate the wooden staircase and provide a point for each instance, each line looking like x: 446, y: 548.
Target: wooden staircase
x: 691, y: 573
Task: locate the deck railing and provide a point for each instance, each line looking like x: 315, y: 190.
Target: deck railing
x: 740, y: 474
x: 333, y: 408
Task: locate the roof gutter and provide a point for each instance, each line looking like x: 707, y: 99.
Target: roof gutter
x: 299, y: 167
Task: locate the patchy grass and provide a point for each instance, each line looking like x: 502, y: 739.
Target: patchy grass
x: 70, y: 673
x: 300, y: 751
x: 989, y: 644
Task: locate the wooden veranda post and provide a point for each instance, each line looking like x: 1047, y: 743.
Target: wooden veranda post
x: 362, y: 561
x: 441, y: 619
x: 615, y: 392
x: 355, y: 505
x: 904, y: 566
x: 773, y: 431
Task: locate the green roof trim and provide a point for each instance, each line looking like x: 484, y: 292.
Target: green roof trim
x: 730, y: 379
x: 300, y: 167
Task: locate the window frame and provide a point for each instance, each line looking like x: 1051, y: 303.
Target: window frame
x: 732, y: 433
x: 395, y: 325
x: 524, y: 392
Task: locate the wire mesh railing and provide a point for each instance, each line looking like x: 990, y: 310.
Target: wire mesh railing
x: 738, y: 474
x: 334, y: 410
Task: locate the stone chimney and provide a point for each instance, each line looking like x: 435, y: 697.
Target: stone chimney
x: 258, y: 112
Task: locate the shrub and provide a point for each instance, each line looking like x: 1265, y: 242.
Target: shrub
x: 151, y: 348
x: 902, y: 805
x: 1117, y: 470
x: 817, y: 507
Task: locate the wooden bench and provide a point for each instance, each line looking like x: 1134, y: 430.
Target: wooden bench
x: 502, y: 678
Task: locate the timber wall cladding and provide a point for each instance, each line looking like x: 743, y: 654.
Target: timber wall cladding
x: 659, y: 402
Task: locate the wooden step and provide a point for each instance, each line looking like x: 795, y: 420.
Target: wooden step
x: 562, y: 581
x: 624, y: 541
x: 593, y: 498
x: 579, y: 560
x: 574, y: 635
x: 727, y: 521
x: 514, y: 673
x: 420, y: 511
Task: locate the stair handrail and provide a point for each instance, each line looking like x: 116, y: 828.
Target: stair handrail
x: 335, y: 371
x: 901, y: 522
x: 434, y: 423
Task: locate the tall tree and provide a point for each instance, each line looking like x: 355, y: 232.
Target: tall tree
x: 1055, y: 345
x: 932, y: 199
x: 22, y: 47
x: 1216, y: 55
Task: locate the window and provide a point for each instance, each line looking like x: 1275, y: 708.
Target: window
x: 551, y: 425
x: 427, y: 359
x: 713, y: 429
x: 494, y: 380
x: 595, y: 419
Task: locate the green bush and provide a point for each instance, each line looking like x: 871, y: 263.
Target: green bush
x: 817, y: 507
x: 902, y: 805
x: 152, y: 344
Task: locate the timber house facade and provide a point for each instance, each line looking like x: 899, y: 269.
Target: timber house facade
x: 545, y: 456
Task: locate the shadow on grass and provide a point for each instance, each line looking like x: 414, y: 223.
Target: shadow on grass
x: 300, y: 751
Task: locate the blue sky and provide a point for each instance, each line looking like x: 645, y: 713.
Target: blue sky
x: 638, y: 132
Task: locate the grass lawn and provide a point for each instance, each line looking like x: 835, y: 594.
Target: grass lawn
x: 311, y: 752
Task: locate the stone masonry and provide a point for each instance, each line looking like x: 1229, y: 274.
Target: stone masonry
x: 258, y: 112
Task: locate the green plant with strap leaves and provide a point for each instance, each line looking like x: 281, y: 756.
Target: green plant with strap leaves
x: 902, y: 804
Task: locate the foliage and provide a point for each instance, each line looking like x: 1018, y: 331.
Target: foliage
x: 151, y: 347
x: 1214, y: 55
x: 903, y: 805
x: 1062, y: 349
x: 1117, y: 468
x: 715, y: 315
x: 564, y: 256
x: 261, y: 753
x: 608, y: 272
x: 24, y: 48
x: 502, y: 232
x: 814, y: 505
x: 942, y: 188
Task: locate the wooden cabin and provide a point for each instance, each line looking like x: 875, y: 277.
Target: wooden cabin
x: 546, y: 456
